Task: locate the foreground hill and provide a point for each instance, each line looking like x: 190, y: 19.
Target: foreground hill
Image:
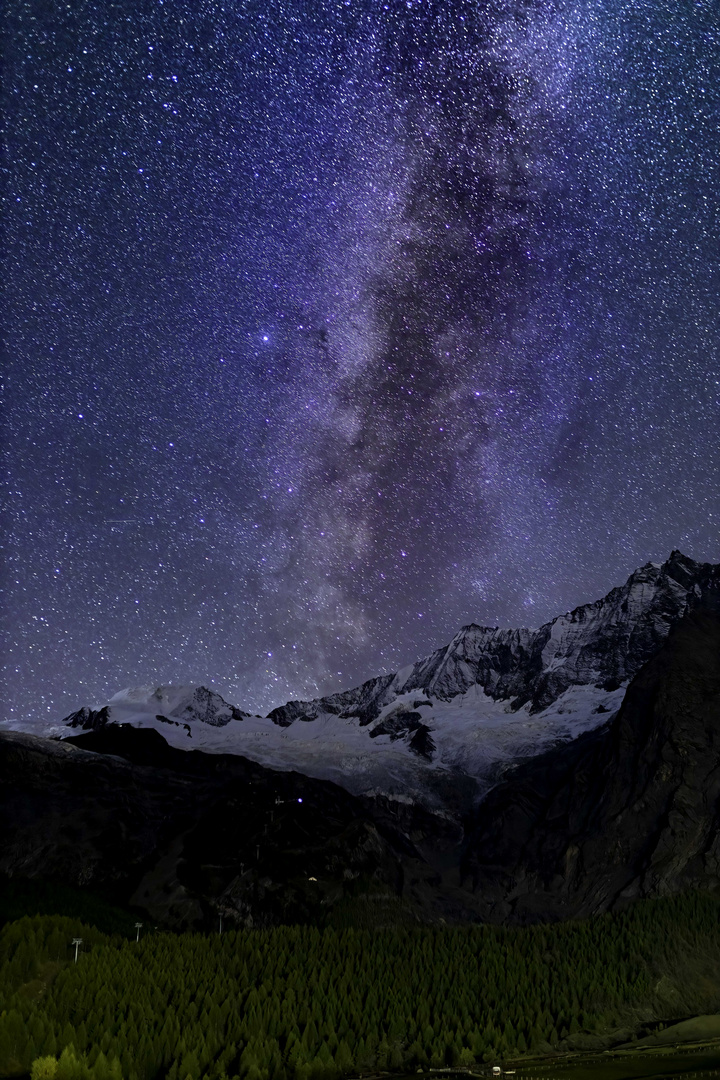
x: 190, y: 836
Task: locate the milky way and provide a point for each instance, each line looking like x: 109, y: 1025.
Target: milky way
x: 334, y: 326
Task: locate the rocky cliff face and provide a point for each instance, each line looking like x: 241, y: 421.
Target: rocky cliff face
x: 630, y: 810
x: 602, y: 643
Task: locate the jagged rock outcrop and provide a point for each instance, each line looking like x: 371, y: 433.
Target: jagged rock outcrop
x: 365, y: 702
x: 88, y: 719
x: 630, y: 810
x: 407, y: 724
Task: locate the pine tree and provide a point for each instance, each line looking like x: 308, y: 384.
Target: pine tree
x: 71, y: 1066
x: 343, y: 1057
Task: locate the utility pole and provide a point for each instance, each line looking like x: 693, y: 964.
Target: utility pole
x: 138, y: 927
x: 220, y: 930
x: 77, y: 942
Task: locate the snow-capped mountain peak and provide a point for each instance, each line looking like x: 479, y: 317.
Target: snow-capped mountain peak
x: 180, y: 705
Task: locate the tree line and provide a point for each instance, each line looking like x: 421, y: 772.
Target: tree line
x: 300, y: 1003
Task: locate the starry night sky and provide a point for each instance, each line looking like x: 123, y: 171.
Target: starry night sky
x: 333, y: 326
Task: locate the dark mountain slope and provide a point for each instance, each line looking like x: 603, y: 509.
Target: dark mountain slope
x: 186, y: 835
x: 626, y: 811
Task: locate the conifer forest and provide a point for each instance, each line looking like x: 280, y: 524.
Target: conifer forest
x: 302, y: 1003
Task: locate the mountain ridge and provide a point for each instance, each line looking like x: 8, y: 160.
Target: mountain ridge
x: 443, y: 730
x: 679, y: 581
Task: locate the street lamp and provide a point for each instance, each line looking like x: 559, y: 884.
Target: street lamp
x: 138, y: 926
x: 77, y: 942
